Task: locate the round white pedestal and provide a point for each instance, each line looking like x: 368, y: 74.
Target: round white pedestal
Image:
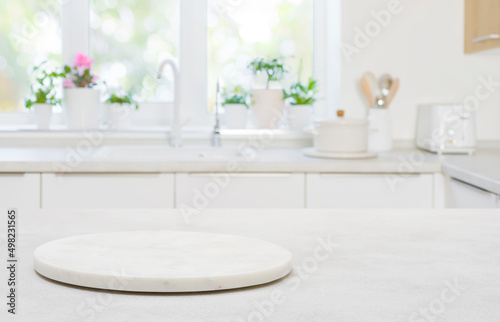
x: 162, y: 261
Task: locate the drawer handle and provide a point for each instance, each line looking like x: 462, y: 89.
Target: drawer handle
x: 366, y: 175
x: 242, y: 175
x: 484, y: 38
x: 106, y: 174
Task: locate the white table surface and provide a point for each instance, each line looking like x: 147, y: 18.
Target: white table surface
x: 378, y: 266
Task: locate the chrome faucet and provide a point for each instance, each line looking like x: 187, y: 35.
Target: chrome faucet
x: 175, y: 132
x: 216, y: 133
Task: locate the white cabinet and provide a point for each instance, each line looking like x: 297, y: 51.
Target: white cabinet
x: 121, y: 191
x: 20, y: 190
x: 498, y: 201
x: 370, y: 191
x: 463, y: 195
x: 240, y: 190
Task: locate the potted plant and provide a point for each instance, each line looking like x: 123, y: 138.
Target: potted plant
x: 235, y: 108
x: 267, y: 104
x: 43, y: 96
x: 301, y: 98
x: 81, y: 99
x: 119, y: 108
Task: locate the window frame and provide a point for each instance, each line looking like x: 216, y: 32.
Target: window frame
x: 193, y: 54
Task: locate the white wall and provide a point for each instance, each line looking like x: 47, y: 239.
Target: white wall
x: 423, y: 46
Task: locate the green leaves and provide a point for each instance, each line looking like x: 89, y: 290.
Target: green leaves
x: 43, y: 96
x: 35, y: 68
x: 273, y: 68
x: 128, y: 98
x: 300, y: 94
x: 80, y: 78
x: 43, y: 90
x: 237, y: 96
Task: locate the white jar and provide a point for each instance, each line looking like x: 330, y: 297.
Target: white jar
x: 43, y: 115
x: 120, y: 116
x: 341, y: 136
x: 267, y: 107
x: 235, y: 116
x: 298, y: 116
x: 380, y: 130
x: 82, y: 108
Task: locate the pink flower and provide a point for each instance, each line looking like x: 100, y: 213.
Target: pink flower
x: 94, y: 79
x: 83, y: 61
x: 68, y: 83
x: 80, y: 70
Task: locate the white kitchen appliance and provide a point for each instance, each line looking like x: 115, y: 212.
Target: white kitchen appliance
x: 446, y: 129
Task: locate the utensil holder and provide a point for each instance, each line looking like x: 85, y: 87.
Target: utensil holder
x: 380, y: 138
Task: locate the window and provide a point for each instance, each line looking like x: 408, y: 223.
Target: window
x: 239, y: 31
x: 128, y: 40
x: 209, y: 38
x: 30, y: 32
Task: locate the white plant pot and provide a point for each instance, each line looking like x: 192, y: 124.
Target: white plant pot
x: 82, y: 108
x: 120, y: 116
x: 235, y: 116
x: 267, y: 107
x: 341, y: 136
x: 298, y: 116
x: 380, y: 130
x: 43, y: 115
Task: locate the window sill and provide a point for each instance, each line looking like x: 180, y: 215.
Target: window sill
x: 60, y: 137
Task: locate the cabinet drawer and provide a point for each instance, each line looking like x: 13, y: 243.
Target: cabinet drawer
x: 20, y: 190
x: 464, y: 195
x: 121, y: 191
x: 239, y: 190
x: 369, y: 191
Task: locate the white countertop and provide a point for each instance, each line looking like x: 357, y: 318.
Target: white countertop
x: 481, y: 169
x: 262, y: 160
x: 377, y: 265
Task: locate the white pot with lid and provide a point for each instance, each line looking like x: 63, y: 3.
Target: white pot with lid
x: 341, y: 136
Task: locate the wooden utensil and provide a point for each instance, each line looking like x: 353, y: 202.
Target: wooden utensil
x: 393, y: 92
x: 367, y: 91
x: 373, y: 82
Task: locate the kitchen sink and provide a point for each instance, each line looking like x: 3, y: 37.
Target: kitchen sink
x: 164, y: 153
